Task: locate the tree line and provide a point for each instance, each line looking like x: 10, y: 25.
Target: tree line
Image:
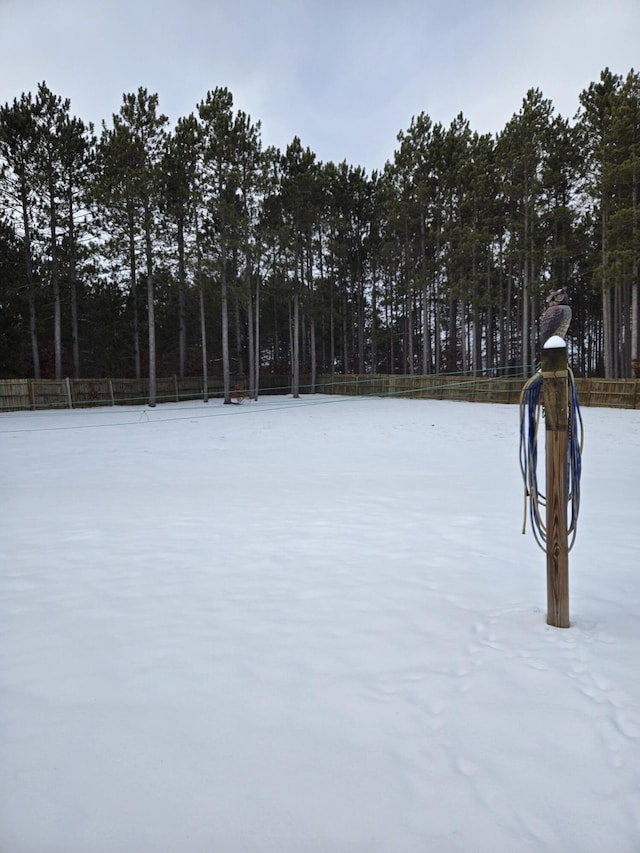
x: 196, y: 250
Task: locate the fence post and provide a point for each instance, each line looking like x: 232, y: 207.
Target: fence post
x: 555, y: 397
x: 67, y: 384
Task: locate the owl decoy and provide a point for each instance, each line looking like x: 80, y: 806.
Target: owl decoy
x: 557, y: 316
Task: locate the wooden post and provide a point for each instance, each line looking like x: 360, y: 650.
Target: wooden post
x: 67, y: 385
x: 555, y: 397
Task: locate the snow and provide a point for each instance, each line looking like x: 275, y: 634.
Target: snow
x: 555, y: 342
x: 311, y: 626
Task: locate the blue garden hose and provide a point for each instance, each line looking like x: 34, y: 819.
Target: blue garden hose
x: 530, y: 409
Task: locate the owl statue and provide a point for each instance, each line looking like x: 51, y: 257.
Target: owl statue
x: 557, y: 316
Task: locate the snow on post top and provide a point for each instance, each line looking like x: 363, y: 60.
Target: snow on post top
x: 555, y: 342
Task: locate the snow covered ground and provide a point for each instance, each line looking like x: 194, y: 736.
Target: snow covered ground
x: 311, y: 626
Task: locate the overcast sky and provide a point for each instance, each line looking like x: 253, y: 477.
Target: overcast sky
x: 343, y: 75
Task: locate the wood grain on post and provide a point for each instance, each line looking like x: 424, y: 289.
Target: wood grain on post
x: 555, y: 396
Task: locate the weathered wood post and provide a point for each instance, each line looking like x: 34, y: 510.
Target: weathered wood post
x: 555, y: 397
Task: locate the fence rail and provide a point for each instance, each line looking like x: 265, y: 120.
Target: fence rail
x: 611, y: 393
x: 22, y: 394
x: 19, y: 394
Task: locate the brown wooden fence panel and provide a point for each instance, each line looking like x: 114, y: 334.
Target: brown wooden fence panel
x: 90, y: 392
x: 21, y: 394
x: 49, y: 394
x: 615, y: 393
x: 189, y: 388
x: 14, y: 395
x: 132, y: 392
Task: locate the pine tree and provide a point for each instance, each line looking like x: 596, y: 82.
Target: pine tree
x: 51, y: 111
x: 624, y: 235
x: 18, y: 147
x: 221, y: 180
x: 76, y: 158
x: 522, y: 149
x: 251, y: 186
x: 179, y: 181
x: 301, y: 212
x: 13, y: 304
x: 598, y: 105
x: 131, y: 156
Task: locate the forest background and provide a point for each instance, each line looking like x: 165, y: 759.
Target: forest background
x: 144, y: 250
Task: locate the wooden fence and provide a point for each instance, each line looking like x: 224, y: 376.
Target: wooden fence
x: 612, y: 393
x: 435, y: 387
x: 18, y: 394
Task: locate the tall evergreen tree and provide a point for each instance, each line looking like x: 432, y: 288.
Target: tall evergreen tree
x: 251, y: 187
x: 301, y: 211
x: 623, y: 223
x: 598, y: 105
x: 179, y: 182
x: 131, y: 168
x: 51, y: 111
x: 76, y: 161
x: 221, y: 179
x: 439, y: 262
x: 522, y: 150
x: 18, y: 176
x: 13, y: 304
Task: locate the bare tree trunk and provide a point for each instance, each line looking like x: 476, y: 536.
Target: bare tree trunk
x: 617, y: 329
x: 374, y: 319
x: 635, y: 350
x: 606, y: 327
x: 295, y: 381
x: 314, y: 364
x: 55, y: 283
x: 360, y: 324
x: 250, y: 337
x: 525, y: 290
x: 424, y: 308
x: 464, y: 352
x: 256, y: 350
x: 332, y: 337
x: 345, y: 350
x: 203, y: 324
x: 75, y: 343
x: 35, y: 351
x: 240, y: 365
x: 634, y: 314
x: 426, y: 335
x: 134, y: 293
x: 151, y: 311
x: 203, y: 335
x: 606, y: 306
x: 182, y: 322
x: 73, y: 286
x: 224, y: 307
x: 390, y: 320
x: 437, y: 329
x: 452, y: 359
x: 476, y: 336
x: 533, y: 319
